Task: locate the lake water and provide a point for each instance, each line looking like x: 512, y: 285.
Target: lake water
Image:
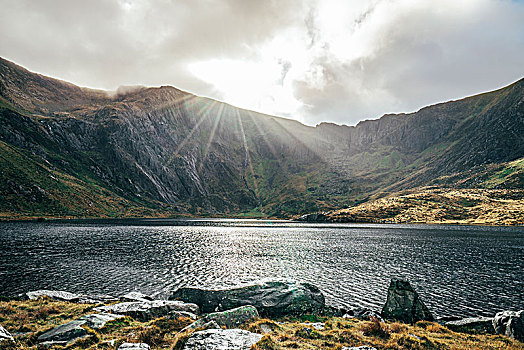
x: 458, y: 270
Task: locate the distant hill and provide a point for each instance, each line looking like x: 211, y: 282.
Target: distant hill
x: 68, y: 151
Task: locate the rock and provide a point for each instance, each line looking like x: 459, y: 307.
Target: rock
x: 366, y: 314
x: 404, y: 304
x: 271, y: 299
x: 136, y: 296
x: 95, y: 299
x: 65, y: 333
x: 144, y: 311
x: 53, y: 294
x: 134, y: 346
x: 317, y: 325
x: 334, y: 311
x: 70, y: 297
x: 218, y: 339
x: 178, y: 314
x: 108, y: 343
x: 210, y: 325
x: 97, y: 321
x: 73, y: 330
x: 510, y: 324
x: 5, y: 335
x: 472, y: 325
x: 266, y: 328
x: 363, y: 347
x: 229, y: 318
x: 314, y: 217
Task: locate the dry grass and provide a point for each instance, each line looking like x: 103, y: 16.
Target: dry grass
x: 441, y: 206
x: 36, y: 317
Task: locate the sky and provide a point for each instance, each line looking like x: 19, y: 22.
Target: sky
x: 311, y: 60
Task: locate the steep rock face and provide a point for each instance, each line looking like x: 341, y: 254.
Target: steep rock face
x: 173, y: 152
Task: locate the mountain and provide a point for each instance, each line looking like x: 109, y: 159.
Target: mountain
x: 74, y: 152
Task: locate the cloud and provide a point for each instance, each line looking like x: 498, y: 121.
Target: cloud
x: 110, y: 43
x: 315, y: 60
x: 410, y: 54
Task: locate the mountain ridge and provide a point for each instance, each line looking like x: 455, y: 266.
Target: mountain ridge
x: 164, y: 151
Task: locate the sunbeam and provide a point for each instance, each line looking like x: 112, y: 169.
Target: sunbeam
x: 211, y: 136
x: 247, y: 159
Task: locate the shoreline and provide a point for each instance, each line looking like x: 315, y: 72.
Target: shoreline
x: 58, y: 319
x: 72, y: 219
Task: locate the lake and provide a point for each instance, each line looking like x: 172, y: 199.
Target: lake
x: 458, y: 270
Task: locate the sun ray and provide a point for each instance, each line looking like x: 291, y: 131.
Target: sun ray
x: 247, y: 160
x: 203, y: 112
x: 211, y: 136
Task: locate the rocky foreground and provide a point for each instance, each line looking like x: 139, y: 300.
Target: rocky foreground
x: 270, y: 315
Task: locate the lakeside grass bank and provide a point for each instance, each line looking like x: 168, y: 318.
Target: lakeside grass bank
x: 26, y: 320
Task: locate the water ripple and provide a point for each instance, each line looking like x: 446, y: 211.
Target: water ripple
x: 459, y: 270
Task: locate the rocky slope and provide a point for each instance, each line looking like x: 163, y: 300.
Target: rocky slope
x: 71, y: 151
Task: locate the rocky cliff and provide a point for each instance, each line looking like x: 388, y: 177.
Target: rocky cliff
x: 71, y: 151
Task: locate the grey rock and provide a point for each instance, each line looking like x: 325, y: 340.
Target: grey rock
x: 134, y: 346
x: 97, y: 321
x: 472, y: 325
x: 266, y: 328
x: 366, y: 314
x: 50, y: 344
x: 53, y: 294
x: 65, y: 333
x: 210, y: 325
x: 219, y: 339
x: 317, y: 325
x: 70, y: 297
x: 229, y: 318
x: 136, y: 296
x: 144, y: 311
x: 404, y: 304
x: 95, y: 299
x: 510, y: 324
x: 5, y: 335
x: 271, y: 299
x: 363, y: 347
x: 178, y: 314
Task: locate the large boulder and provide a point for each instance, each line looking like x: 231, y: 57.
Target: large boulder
x: 218, y: 339
x: 472, y: 325
x: 145, y: 311
x: 5, y: 335
x: 229, y: 318
x: 404, y: 304
x: 510, y: 324
x: 271, y: 299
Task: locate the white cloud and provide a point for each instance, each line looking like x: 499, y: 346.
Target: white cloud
x: 317, y: 60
